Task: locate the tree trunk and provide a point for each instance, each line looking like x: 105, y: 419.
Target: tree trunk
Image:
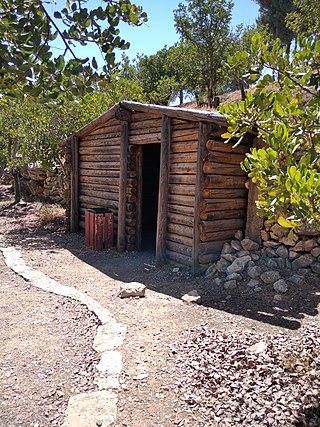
x: 17, y: 188
x: 243, y: 92
x: 181, y: 96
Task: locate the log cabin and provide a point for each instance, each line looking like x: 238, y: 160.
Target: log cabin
x: 169, y: 178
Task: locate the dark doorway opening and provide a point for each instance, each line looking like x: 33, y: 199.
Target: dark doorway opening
x: 150, y: 191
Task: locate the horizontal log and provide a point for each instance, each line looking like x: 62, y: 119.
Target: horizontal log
x: 180, y: 219
x: 226, y: 147
x: 131, y: 198
x: 182, y: 189
x: 181, y: 210
x: 98, y: 202
x: 221, y: 225
x: 181, y: 230
x: 138, y: 116
x: 183, y: 147
x: 150, y: 138
x: 98, y: 141
x: 187, y: 241
x: 209, y: 258
x: 178, y: 258
x: 209, y: 247
x: 185, y: 136
x: 223, y: 169
x: 179, y: 248
x: 183, y: 157
x: 107, y: 127
x: 180, y: 169
x: 221, y: 157
x: 99, y: 165
x: 132, y: 215
x: 211, y: 216
x: 131, y: 222
x: 130, y: 207
x: 95, y: 158
x: 221, y: 181
x: 102, y: 180
x: 108, y: 149
x: 217, y: 132
x: 180, y: 200
x: 182, y: 179
x: 100, y: 187
x: 99, y: 194
x: 211, y: 193
x: 218, y: 235
x: 210, y: 205
x: 183, y: 124
x: 145, y: 127
x: 99, y: 173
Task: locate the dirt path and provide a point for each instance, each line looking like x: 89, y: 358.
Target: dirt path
x: 46, y: 353
x: 149, y: 392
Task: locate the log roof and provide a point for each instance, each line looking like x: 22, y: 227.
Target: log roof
x: 119, y: 110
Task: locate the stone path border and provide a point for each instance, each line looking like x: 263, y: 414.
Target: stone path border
x: 98, y: 408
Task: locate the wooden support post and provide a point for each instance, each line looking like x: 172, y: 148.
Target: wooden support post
x: 202, y: 140
x: 139, y: 163
x: 163, y: 192
x: 124, y: 137
x: 74, y: 185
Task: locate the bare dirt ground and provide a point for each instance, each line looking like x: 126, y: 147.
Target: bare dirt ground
x: 159, y: 364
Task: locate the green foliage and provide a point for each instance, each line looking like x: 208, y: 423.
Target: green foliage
x: 285, y: 114
x: 305, y: 18
x: 273, y: 14
x: 28, y: 33
x: 205, y: 25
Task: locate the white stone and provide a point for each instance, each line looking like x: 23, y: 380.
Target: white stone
x: 132, y: 289
x: 259, y: 347
x: 192, y: 297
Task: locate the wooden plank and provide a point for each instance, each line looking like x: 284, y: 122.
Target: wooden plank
x: 108, y: 149
x: 218, y: 235
x: 183, y: 157
x: 187, y: 241
x: 181, y: 210
x: 183, y: 147
x: 163, y: 192
x: 182, y: 179
x: 181, y: 230
x: 121, y: 241
x: 139, y: 163
x: 208, y: 228
x: 226, y: 147
x: 151, y: 138
x: 99, y: 165
x: 221, y: 181
x: 99, y: 158
x: 97, y: 202
x: 180, y: 219
x: 179, y: 248
x: 202, y: 139
x: 209, y: 247
x: 107, y: 181
x: 181, y: 200
x: 99, y: 194
x: 223, y: 169
x: 225, y: 158
x: 74, y: 185
x: 179, y: 258
x: 99, y: 173
x: 211, y: 216
x: 210, y: 205
x: 182, y: 169
x: 182, y: 189
x: 211, y: 193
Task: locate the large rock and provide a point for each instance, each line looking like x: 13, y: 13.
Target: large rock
x: 254, y: 272
x: 289, y: 240
x: 281, y: 286
x: 222, y: 265
x: 302, y: 262
x: 211, y: 271
x: 132, y: 289
x: 296, y: 279
x: 230, y: 285
x: 238, y: 265
x: 265, y: 236
x: 249, y: 245
x: 308, y: 230
x: 282, y: 252
x: 277, y: 232
x: 315, y: 252
x: 315, y: 268
x: 227, y: 249
x: 304, y: 245
x: 270, y: 276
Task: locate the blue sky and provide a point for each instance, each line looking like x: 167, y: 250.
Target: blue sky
x: 160, y: 31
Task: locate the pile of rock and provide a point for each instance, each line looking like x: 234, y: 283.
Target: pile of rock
x: 46, y: 184
x: 283, y: 258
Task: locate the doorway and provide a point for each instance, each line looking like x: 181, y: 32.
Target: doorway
x: 150, y: 191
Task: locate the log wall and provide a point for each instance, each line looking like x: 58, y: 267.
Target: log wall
x: 224, y: 197
x: 181, y: 194
x: 99, y: 164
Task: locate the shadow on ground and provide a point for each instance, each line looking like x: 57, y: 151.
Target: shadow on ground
x: 21, y: 227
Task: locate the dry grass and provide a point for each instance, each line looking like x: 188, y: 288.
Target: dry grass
x: 50, y: 213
